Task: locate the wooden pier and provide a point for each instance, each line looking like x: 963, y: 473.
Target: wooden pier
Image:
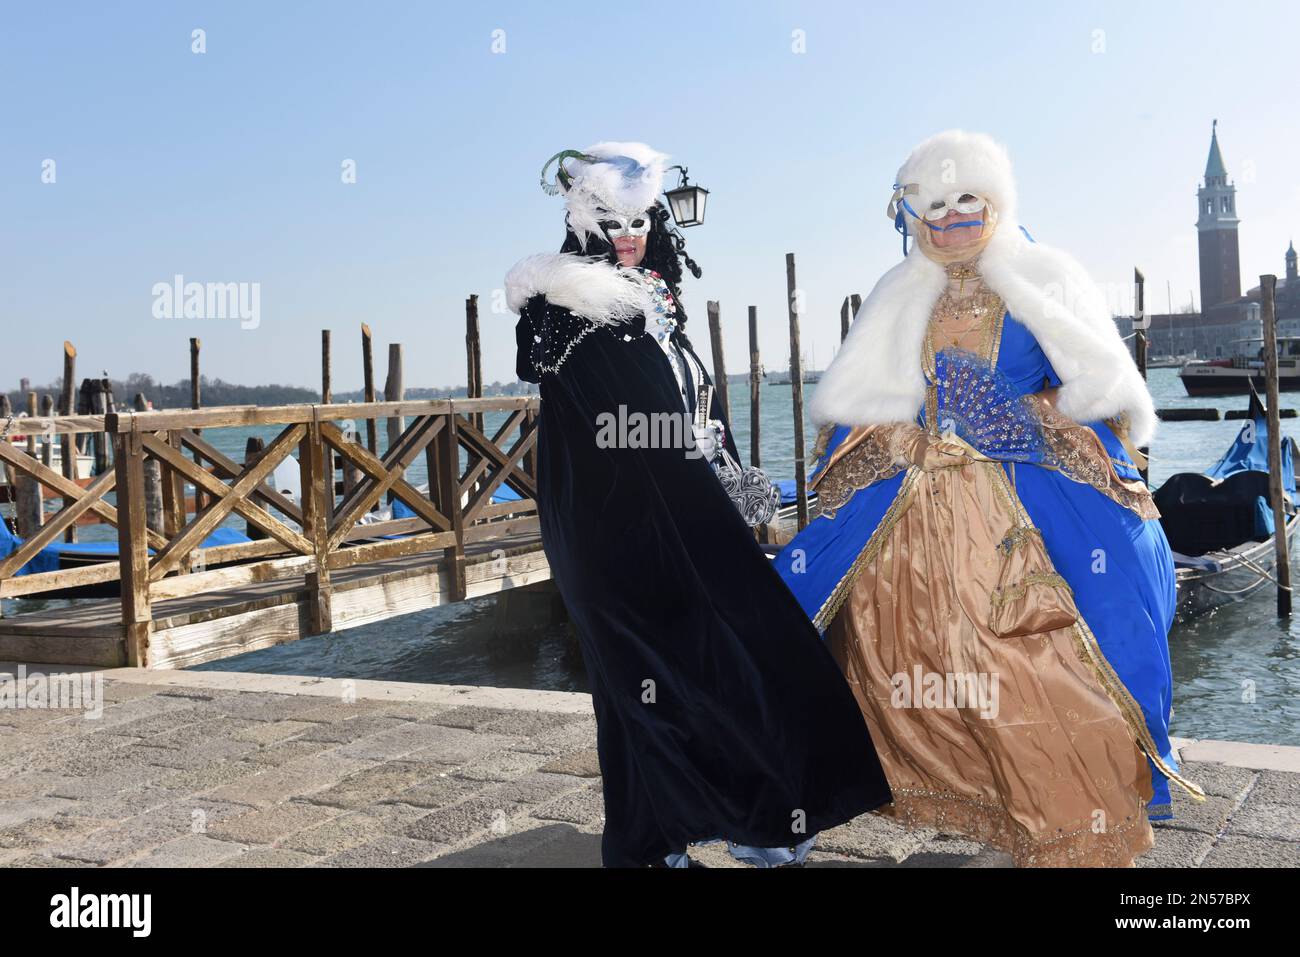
x: 310, y: 568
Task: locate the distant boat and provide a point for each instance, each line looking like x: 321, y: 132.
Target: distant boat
x: 1220, y: 523
x: 1168, y: 362
x: 1244, y: 372
x: 809, y: 376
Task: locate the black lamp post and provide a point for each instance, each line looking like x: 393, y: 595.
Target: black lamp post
x: 686, y: 201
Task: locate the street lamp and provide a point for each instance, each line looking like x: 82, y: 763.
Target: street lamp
x: 687, y: 201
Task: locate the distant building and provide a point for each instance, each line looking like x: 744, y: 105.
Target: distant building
x: 1226, y: 315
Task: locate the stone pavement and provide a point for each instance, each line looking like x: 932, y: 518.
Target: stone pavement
x: 200, y: 769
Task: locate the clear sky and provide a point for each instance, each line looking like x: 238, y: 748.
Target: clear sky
x: 225, y: 166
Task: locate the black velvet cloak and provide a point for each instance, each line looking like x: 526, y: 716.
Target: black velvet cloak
x: 720, y: 713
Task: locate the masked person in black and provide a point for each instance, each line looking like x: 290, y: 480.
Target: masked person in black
x: 720, y: 714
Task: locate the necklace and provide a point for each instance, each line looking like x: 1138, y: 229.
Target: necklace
x: 961, y: 272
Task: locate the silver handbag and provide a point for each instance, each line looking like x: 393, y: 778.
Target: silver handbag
x: 755, y: 496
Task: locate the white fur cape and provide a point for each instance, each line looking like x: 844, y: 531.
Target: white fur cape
x: 876, y: 377
x: 589, y: 287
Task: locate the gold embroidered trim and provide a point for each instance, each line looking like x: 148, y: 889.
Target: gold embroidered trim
x: 1017, y: 536
x: 881, y: 453
x: 895, y: 511
x: 1000, y: 596
x: 989, y: 823
x: 1076, y: 452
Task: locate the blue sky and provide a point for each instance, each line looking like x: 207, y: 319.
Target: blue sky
x: 225, y: 166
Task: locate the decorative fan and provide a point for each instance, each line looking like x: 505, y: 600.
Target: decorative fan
x: 979, y: 404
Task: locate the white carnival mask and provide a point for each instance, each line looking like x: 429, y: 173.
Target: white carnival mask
x: 618, y: 225
x: 959, y: 201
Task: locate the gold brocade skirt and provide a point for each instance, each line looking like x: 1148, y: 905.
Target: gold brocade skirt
x: 1011, y: 742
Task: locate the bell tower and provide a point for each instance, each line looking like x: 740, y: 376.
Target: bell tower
x: 1290, y: 263
x: 1216, y: 226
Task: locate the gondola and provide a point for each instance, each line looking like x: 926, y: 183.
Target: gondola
x: 1220, y: 522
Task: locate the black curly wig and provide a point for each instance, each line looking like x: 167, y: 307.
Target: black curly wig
x: 665, y: 249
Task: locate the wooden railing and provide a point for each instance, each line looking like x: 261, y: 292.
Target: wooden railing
x: 313, y: 537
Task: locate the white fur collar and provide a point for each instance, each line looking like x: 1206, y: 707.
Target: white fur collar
x: 587, y: 286
x: 876, y: 377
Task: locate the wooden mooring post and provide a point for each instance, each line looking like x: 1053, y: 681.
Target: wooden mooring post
x: 795, y: 304
x: 67, y: 406
x: 1140, y: 323
x: 719, y: 362
x: 29, y: 505
x: 1276, y: 493
x: 755, y: 389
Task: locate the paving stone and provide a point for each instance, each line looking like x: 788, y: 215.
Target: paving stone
x: 192, y: 850
x: 108, y: 782
x: 386, y: 851
x: 38, y: 832
x: 396, y: 742
x: 872, y: 836
x: 265, y: 734
x: 299, y: 778
x: 529, y: 723
x: 265, y: 705
x: 1220, y: 780
x: 1207, y: 816
x: 353, y: 828
x: 1176, y: 848
x: 583, y: 764
x: 206, y: 727
x: 192, y: 815
x: 1279, y: 822
x: 447, y: 745
x: 374, y: 784
x: 285, y: 751
x: 468, y: 717
x: 1233, y: 850
x: 503, y: 765
x: 270, y: 825
x: 410, y: 710
x: 440, y: 789
x: 526, y: 845
x: 145, y: 715
x: 125, y: 804
x: 575, y: 736
x: 342, y: 732
x: 31, y: 784
x: 42, y: 859
x: 15, y: 811
x: 217, y: 774
x: 583, y: 806
x: 332, y: 710
x: 1277, y: 787
x: 535, y: 789
x: 269, y: 857
x: 211, y: 752
x: 116, y: 691
x: 475, y: 815
x: 178, y: 715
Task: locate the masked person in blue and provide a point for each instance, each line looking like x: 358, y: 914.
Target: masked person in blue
x: 988, y: 566
x: 720, y: 714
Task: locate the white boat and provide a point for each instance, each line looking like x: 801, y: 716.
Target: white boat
x: 1236, y: 374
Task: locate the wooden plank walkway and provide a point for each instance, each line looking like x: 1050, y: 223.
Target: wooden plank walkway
x: 311, y: 566
x: 217, y: 624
